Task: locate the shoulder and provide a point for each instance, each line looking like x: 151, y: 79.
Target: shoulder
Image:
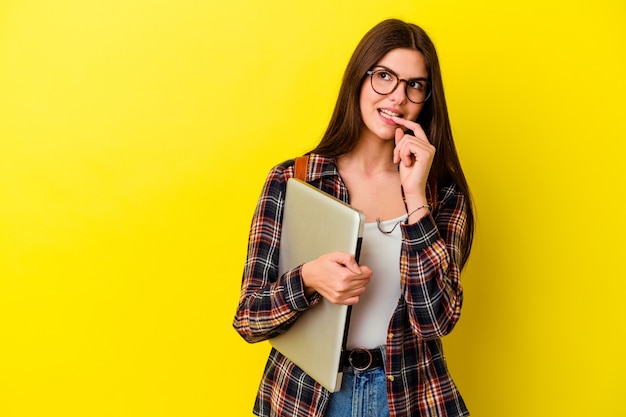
x: 447, y: 189
x: 276, y: 181
x: 450, y: 196
x: 283, y: 169
x: 318, y: 166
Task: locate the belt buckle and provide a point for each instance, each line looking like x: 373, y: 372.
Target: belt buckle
x: 359, y: 366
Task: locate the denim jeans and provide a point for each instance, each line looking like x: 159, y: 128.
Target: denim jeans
x: 362, y: 394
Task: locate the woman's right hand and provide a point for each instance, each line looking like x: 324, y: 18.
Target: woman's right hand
x: 337, y: 277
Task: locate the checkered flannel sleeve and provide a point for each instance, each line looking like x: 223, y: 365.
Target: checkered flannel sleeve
x: 430, y: 270
x: 269, y: 303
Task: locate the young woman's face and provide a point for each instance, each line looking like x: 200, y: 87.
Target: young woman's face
x: 376, y: 109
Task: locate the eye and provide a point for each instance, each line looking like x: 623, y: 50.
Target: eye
x: 417, y: 84
x: 385, y: 76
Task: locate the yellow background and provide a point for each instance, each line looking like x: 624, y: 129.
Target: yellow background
x: 135, y: 136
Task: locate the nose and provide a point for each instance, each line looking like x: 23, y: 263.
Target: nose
x: 399, y: 94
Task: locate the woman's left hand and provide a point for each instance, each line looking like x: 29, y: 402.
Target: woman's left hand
x: 415, y: 155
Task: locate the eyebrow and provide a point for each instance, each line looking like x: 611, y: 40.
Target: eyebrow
x: 396, y: 74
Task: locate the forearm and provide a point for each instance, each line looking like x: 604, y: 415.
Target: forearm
x: 430, y: 269
x: 266, y: 308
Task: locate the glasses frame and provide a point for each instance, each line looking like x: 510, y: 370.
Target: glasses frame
x: 398, y: 79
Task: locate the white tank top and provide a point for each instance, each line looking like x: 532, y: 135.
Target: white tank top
x: 370, y: 318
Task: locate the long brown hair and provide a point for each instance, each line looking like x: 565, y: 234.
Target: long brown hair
x: 345, y: 125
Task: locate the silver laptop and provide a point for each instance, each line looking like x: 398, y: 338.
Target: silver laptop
x: 315, y: 223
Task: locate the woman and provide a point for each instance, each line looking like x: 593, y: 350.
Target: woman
x: 388, y: 151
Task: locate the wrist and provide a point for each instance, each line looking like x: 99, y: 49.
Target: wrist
x: 418, y: 213
x: 308, y: 290
x: 416, y: 205
x: 415, y: 199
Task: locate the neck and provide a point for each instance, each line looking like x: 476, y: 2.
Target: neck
x: 371, y: 156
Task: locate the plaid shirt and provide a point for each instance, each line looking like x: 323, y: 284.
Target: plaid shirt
x: 418, y: 381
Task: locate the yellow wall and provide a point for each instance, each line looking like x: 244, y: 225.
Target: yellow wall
x: 135, y: 136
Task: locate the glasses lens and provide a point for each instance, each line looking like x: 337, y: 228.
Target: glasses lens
x: 383, y: 82
x: 417, y: 90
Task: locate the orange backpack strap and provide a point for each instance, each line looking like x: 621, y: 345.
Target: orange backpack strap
x: 301, y: 167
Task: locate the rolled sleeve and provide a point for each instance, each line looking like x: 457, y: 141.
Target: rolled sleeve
x: 294, y: 294
x: 420, y: 235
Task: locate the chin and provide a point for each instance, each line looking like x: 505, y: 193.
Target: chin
x: 387, y: 133
x: 381, y: 131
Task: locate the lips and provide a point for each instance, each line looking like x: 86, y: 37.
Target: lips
x: 388, y: 114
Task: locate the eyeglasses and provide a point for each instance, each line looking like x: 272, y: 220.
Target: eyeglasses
x: 385, y: 81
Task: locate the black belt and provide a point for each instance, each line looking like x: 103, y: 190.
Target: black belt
x: 363, y: 359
